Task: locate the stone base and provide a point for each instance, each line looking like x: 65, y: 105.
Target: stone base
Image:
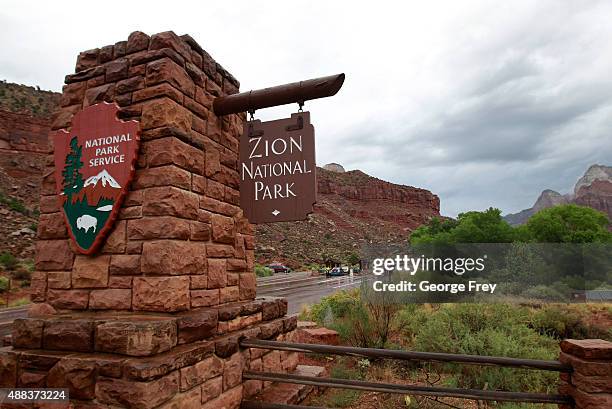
x: 187, y: 360
x: 290, y: 393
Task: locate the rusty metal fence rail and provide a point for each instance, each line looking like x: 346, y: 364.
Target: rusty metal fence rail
x: 475, y: 394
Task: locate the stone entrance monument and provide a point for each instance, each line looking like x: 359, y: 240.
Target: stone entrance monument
x: 152, y: 319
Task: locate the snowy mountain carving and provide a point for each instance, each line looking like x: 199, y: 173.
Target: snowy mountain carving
x: 98, y: 187
x: 104, y: 177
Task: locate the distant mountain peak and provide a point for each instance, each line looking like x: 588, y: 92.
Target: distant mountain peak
x: 104, y: 177
x: 593, y: 189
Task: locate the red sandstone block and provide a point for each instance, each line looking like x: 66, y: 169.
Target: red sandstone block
x: 204, y: 298
x: 170, y: 201
x: 165, y: 112
x: 73, y: 94
x: 68, y: 335
x: 137, y: 395
x: 96, y: 81
x: 188, y: 400
x: 49, y: 204
x: 124, y: 264
x: 75, y: 374
x: 120, y: 282
x: 53, y: 255
x: 592, y: 384
x: 215, y: 190
x: 217, y: 206
x: 166, y: 294
x: 204, y: 98
x: 162, y: 176
x: 134, y: 247
x: 219, y: 250
x: 248, y: 286
x: 110, y: 299
x: 161, y: 227
x: 38, y: 286
x: 197, y: 326
x: 196, y: 74
x: 271, y: 362
x: 87, y: 59
x: 59, y: 279
x: 212, y: 388
x: 194, y: 375
x: 217, y: 273
x: 587, y: 367
x: 52, y: 226
x: 199, y: 282
x: 137, y: 41
x: 166, y: 70
x: 95, y: 95
x: 30, y: 379
x: 199, y: 231
x: 8, y: 368
x: 171, y: 150
x: 158, y: 91
x: 229, y: 294
x: 133, y: 212
x: 232, y: 372
x: 227, y: 400
x: 198, y: 109
x: 271, y: 329
x: 116, y: 241
x: 130, y: 84
x: 173, y: 257
x: 68, y: 299
x: 117, y: 70
x: 232, y: 279
x: 27, y: 333
x: 588, y: 348
x: 168, y: 39
x: 136, y: 338
x: 106, y: 54
x: 90, y: 272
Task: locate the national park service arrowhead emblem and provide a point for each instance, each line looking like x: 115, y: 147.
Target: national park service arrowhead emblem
x: 94, y: 165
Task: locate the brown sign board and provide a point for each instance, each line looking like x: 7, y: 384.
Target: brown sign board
x: 277, y: 169
x: 94, y: 165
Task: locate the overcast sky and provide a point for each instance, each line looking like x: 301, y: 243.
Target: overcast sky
x: 485, y: 103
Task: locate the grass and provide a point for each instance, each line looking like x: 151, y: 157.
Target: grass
x: 19, y: 302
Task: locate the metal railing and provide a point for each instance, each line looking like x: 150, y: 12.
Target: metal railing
x: 432, y: 391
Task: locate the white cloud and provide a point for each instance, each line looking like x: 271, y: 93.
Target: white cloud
x: 484, y: 103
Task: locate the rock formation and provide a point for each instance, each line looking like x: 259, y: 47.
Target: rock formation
x: 352, y: 209
x: 593, y: 189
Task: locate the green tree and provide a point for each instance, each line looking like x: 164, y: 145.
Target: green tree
x: 73, y: 179
x: 470, y: 227
x: 569, y: 224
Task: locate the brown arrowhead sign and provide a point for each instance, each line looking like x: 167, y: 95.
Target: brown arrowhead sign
x: 94, y: 165
x: 277, y: 169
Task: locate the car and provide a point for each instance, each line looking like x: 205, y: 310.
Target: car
x: 279, y: 268
x: 336, y: 272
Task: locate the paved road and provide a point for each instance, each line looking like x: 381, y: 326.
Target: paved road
x: 299, y: 288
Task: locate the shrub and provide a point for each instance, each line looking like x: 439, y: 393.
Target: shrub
x: 8, y: 260
x: 263, y: 271
x: 19, y: 302
x: 4, y: 284
x: 497, y: 330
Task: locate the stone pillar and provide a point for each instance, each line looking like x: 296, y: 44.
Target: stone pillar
x: 154, y: 318
x: 590, y: 383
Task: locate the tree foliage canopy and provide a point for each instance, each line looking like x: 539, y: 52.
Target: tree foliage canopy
x: 558, y: 224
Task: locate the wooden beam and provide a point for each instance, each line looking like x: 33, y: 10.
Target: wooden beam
x: 296, y: 92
